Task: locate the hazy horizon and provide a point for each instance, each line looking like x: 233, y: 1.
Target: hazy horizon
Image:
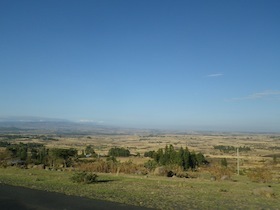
x: 185, y: 65
x: 191, y: 128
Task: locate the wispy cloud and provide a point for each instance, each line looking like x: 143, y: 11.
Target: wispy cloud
x: 215, y: 75
x: 267, y: 94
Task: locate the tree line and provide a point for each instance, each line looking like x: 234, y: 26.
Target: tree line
x: 227, y: 149
x: 119, y: 152
x: 181, y: 157
x: 33, y: 153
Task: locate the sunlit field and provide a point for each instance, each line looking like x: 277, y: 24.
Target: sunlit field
x: 207, y: 187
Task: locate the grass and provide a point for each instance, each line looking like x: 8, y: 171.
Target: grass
x: 153, y: 192
x: 162, y: 192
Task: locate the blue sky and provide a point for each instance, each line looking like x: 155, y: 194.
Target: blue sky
x: 187, y: 65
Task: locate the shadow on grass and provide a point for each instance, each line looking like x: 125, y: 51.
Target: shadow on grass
x: 106, y: 180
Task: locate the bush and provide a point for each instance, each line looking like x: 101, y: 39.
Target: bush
x: 129, y: 167
x: 160, y: 171
x: 150, y: 154
x: 170, y: 171
x: 224, y: 162
x: 100, y: 166
x: 111, y: 158
x: 260, y: 175
x: 219, y: 172
x: 150, y: 165
x: 84, y: 177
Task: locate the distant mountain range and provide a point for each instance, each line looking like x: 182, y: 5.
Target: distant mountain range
x: 31, y: 119
x: 61, y: 126
x: 42, y: 125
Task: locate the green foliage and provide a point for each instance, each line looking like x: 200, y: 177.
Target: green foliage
x: 89, y: 150
x: 150, y: 165
x: 183, y: 157
x: 63, y: 154
x: 4, y: 144
x: 84, y: 177
x: 18, y: 151
x: 39, y: 155
x: 200, y: 159
x: 227, y: 149
x: 13, y: 136
x: 30, y: 152
x: 119, y: 152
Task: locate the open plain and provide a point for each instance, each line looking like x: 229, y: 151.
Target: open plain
x: 198, y: 191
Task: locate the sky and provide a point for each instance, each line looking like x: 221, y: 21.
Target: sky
x: 167, y: 64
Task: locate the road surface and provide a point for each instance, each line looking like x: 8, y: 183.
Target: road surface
x: 20, y: 198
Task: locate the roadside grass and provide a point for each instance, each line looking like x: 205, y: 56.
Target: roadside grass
x: 154, y: 192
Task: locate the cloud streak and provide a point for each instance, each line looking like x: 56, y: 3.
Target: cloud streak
x: 260, y: 95
x: 214, y: 75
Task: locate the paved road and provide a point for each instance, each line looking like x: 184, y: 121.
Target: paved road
x: 20, y: 198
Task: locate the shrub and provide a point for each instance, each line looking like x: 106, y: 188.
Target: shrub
x: 150, y: 165
x: 100, y: 166
x: 150, y: 154
x: 160, y: 171
x: 111, y: 158
x: 111, y: 166
x: 260, y: 175
x: 84, y: 177
x: 129, y: 167
x: 220, y: 171
x: 224, y: 162
x: 170, y: 170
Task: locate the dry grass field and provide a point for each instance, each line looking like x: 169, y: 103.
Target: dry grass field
x: 197, y: 192
x: 263, y: 147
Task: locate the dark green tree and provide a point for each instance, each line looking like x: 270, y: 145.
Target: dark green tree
x: 149, y: 154
x: 182, y: 157
x: 18, y: 151
x: 159, y: 157
x: 89, y: 150
x: 119, y: 152
x: 193, y: 160
x: 200, y: 159
x: 22, y: 151
x: 186, y: 159
x: 63, y: 154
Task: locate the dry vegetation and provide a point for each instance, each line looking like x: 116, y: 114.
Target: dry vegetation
x: 259, y: 167
x: 265, y: 149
